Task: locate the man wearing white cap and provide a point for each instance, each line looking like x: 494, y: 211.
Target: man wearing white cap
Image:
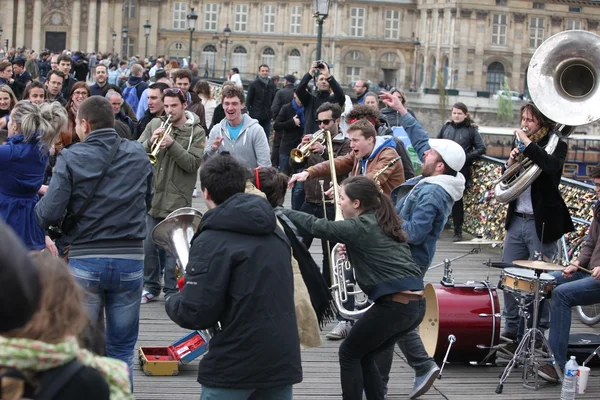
x: 424, y: 203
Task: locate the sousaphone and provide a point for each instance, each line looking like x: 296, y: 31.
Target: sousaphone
x: 564, y: 86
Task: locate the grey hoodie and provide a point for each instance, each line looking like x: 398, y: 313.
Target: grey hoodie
x: 250, y: 148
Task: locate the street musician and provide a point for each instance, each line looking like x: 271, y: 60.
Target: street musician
x: 178, y: 158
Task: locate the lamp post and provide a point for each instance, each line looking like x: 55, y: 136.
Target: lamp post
x: 124, y: 33
x: 192, y: 17
x: 321, y: 13
x: 226, y: 33
x: 417, y: 46
x: 216, y: 39
x: 114, y: 38
x: 147, y: 28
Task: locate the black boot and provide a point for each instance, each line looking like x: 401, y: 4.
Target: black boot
x: 457, y: 234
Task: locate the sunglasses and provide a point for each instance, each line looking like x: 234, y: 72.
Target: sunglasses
x: 324, y: 121
x: 174, y: 90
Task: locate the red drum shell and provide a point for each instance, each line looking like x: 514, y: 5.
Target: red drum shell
x: 470, y: 312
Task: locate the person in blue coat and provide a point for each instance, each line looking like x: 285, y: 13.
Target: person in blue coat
x: 32, y: 131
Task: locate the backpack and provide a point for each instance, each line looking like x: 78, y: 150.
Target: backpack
x: 130, y: 95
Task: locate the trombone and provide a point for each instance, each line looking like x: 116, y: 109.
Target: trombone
x: 299, y: 156
x: 155, y: 147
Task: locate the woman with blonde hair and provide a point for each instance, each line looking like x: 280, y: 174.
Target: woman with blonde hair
x: 7, y: 103
x: 45, y: 350
x: 32, y: 131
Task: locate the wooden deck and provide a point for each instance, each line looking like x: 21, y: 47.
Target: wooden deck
x: 320, y: 365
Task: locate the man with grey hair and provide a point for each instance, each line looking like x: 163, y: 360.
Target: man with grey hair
x: 116, y: 100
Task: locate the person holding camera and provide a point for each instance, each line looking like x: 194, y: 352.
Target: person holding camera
x: 104, y: 186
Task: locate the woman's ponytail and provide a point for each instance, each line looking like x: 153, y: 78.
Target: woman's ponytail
x: 43, y: 122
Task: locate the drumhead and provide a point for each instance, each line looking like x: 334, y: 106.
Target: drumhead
x: 429, y: 328
x: 527, y: 273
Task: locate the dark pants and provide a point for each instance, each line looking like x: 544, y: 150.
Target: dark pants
x: 458, y: 214
x: 298, y: 194
x: 284, y: 164
x: 155, y: 260
x: 266, y: 125
x: 378, y: 329
x: 275, y: 149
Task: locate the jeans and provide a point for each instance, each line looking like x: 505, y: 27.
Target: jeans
x: 278, y: 393
x: 580, y: 290
x: 266, y: 125
x: 298, y: 195
x: 116, y: 283
x: 522, y: 243
x: 378, y: 329
x: 155, y: 260
x: 284, y: 164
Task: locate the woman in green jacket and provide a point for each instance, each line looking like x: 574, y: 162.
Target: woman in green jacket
x: 377, y: 250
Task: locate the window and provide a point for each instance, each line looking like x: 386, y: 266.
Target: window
x: 129, y: 9
x: 179, y: 15
x: 536, y: 32
x: 495, y: 77
x: 433, y: 74
x: 355, y: 55
x: 178, y: 46
x: 295, y: 19
x: 573, y: 24
x: 268, y: 58
x: 211, y: 11
x: 241, y: 18
x: 392, y: 24
x: 538, y: 6
x: 574, y: 9
x: 357, y: 22
x: 294, y: 61
x: 499, y: 27
x: 352, y: 74
x: 128, y: 46
x: 501, y: 2
x: 239, y: 59
x: 269, y: 19
x: 209, y: 59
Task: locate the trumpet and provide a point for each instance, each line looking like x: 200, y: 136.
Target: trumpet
x: 155, y: 147
x: 299, y: 156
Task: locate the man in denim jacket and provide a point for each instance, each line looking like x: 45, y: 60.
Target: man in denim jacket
x: 424, y: 203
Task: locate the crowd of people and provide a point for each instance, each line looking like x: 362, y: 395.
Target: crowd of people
x: 79, y: 185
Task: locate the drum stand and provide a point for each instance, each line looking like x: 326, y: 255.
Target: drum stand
x: 526, y: 352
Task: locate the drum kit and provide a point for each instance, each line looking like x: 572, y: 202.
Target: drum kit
x: 462, y: 320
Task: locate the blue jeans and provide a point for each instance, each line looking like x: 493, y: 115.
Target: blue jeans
x: 116, y: 284
x: 278, y: 393
x: 580, y: 290
x: 266, y: 125
x: 284, y: 164
x: 521, y: 243
x: 157, y: 259
x: 298, y: 194
x: 378, y: 329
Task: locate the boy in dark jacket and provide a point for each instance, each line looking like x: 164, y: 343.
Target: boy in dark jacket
x: 240, y: 275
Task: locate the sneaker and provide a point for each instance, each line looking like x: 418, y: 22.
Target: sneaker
x: 340, y: 331
x: 548, y: 373
x: 148, y: 297
x: 457, y: 238
x: 424, y: 382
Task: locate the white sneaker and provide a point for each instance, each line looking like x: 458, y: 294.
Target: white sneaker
x: 340, y: 331
x: 195, y: 193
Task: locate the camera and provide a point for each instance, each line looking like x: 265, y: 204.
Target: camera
x: 321, y: 64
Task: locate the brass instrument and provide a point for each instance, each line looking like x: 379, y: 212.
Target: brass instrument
x: 155, y: 147
x: 299, y: 156
x: 564, y: 86
x: 382, y: 170
x: 339, y: 265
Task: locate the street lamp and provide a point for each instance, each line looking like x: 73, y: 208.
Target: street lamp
x: 124, y: 33
x: 226, y: 33
x: 417, y: 45
x: 114, y: 38
x: 147, y: 27
x: 191, y: 23
x: 321, y: 12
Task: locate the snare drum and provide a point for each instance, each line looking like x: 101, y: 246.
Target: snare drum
x: 522, y: 281
x: 470, y: 312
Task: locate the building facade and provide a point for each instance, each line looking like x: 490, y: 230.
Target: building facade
x: 465, y: 44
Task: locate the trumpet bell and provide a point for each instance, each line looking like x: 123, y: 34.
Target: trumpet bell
x: 175, y: 233
x: 297, y: 158
x: 563, y: 80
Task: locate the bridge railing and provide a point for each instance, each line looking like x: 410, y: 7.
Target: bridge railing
x: 485, y: 216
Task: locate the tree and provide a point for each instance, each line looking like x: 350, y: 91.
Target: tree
x: 443, y: 97
x: 505, y: 109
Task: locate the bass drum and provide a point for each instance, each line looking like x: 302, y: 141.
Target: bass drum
x: 470, y: 312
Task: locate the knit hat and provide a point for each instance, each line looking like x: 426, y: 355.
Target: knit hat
x: 451, y: 152
x: 21, y: 292
x: 290, y: 78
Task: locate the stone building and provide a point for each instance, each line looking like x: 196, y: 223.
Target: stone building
x: 471, y: 45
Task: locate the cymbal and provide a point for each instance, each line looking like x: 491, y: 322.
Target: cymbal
x: 539, y: 265
x: 479, y: 241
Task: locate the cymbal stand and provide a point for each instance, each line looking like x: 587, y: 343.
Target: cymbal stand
x: 447, y: 263
x: 526, y: 352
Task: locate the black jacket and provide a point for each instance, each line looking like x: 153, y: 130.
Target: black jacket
x: 259, y: 99
x: 311, y: 102
x: 240, y: 274
x: 67, y: 86
x: 549, y: 209
x: 282, y: 97
x: 291, y: 135
x: 467, y: 136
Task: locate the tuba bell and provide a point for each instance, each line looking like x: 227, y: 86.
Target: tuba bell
x: 563, y: 85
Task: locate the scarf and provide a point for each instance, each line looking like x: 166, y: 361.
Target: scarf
x: 539, y: 135
x: 36, y: 356
x: 264, y: 80
x: 299, y: 112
